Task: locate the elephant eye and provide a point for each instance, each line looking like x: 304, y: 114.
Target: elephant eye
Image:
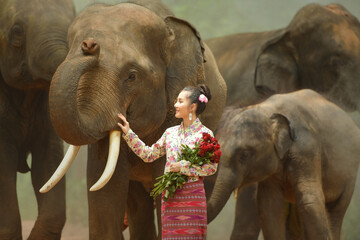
x: 17, y: 35
x: 132, y: 76
x: 244, y: 154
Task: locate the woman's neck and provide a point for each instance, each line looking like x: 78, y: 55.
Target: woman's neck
x: 188, y: 122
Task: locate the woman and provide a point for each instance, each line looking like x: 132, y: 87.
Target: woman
x: 184, y: 216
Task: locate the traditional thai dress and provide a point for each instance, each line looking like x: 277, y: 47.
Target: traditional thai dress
x: 184, y: 216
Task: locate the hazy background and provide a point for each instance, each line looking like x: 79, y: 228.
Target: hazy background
x: 212, y: 18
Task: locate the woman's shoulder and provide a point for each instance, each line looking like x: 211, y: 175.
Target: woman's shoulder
x: 172, y: 129
x: 205, y: 129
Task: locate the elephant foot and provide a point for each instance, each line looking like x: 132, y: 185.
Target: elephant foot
x: 40, y: 232
x: 9, y: 233
x: 7, y: 237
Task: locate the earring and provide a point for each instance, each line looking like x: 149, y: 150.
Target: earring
x: 190, y: 116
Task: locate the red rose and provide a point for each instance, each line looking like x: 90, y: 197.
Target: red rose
x: 216, y: 156
x: 201, y: 152
x: 202, y: 144
x: 209, y: 148
x: 206, y: 137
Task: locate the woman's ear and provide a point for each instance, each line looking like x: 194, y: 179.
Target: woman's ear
x: 193, y: 107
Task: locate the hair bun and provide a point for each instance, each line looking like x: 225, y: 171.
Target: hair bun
x: 205, y: 90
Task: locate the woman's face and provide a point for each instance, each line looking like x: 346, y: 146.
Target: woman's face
x: 183, y: 105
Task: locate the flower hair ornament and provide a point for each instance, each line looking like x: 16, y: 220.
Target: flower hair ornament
x: 203, y: 98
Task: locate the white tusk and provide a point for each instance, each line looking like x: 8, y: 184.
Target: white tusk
x: 236, y: 193
x: 114, y: 149
x: 62, y: 169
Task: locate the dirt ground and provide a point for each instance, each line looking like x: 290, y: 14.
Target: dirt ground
x: 70, y: 232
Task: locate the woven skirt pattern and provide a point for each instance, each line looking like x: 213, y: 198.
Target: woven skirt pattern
x: 184, y: 216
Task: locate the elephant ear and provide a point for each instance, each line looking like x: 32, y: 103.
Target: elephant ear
x: 184, y: 55
x: 282, y: 134
x: 154, y: 5
x: 276, y: 69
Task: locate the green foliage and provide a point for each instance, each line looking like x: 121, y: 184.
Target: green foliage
x: 169, y: 183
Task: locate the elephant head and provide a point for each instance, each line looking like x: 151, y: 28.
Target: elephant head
x: 320, y: 50
x: 33, y: 41
x: 253, y: 145
x: 123, y: 58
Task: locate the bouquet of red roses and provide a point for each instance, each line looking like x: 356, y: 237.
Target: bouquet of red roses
x: 205, y: 152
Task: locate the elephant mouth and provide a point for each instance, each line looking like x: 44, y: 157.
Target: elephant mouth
x: 114, y: 150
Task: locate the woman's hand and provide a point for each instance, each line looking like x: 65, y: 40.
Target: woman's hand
x: 125, y: 128
x: 175, y: 167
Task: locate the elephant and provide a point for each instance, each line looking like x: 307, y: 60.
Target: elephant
x: 300, y: 148
x: 32, y: 45
x: 319, y: 50
x: 131, y: 58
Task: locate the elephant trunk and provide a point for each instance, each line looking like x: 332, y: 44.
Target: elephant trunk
x: 82, y: 110
x: 63, y: 102
x: 225, y: 184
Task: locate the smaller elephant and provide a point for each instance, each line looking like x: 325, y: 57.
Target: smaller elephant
x: 300, y: 149
x: 319, y: 50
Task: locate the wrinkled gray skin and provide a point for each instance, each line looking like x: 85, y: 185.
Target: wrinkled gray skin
x: 128, y: 58
x: 301, y: 149
x: 319, y: 49
x: 32, y: 45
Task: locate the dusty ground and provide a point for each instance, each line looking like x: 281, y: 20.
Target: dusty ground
x: 70, y: 232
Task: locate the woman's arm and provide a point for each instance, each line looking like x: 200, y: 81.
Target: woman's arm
x: 204, y: 170
x: 146, y: 153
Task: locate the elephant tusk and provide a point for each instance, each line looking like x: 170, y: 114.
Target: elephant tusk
x: 236, y: 192
x: 62, y: 169
x: 114, y: 149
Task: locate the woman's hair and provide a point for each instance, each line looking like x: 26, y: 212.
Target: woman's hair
x: 195, y: 92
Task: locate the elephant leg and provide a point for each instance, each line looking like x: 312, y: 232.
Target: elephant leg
x: 10, y: 223
x: 310, y: 202
x: 107, y: 205
x: 338, y: 209
x: 272, y: 211
x: 246, y: 226
x: 47, y: 153
x: 140, y: 210
x: 209, y: 183
x: 294, y: 227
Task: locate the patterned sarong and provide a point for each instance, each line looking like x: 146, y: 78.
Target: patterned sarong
x: 184, y: 216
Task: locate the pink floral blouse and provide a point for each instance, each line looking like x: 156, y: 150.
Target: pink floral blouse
x: 170, y: 144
